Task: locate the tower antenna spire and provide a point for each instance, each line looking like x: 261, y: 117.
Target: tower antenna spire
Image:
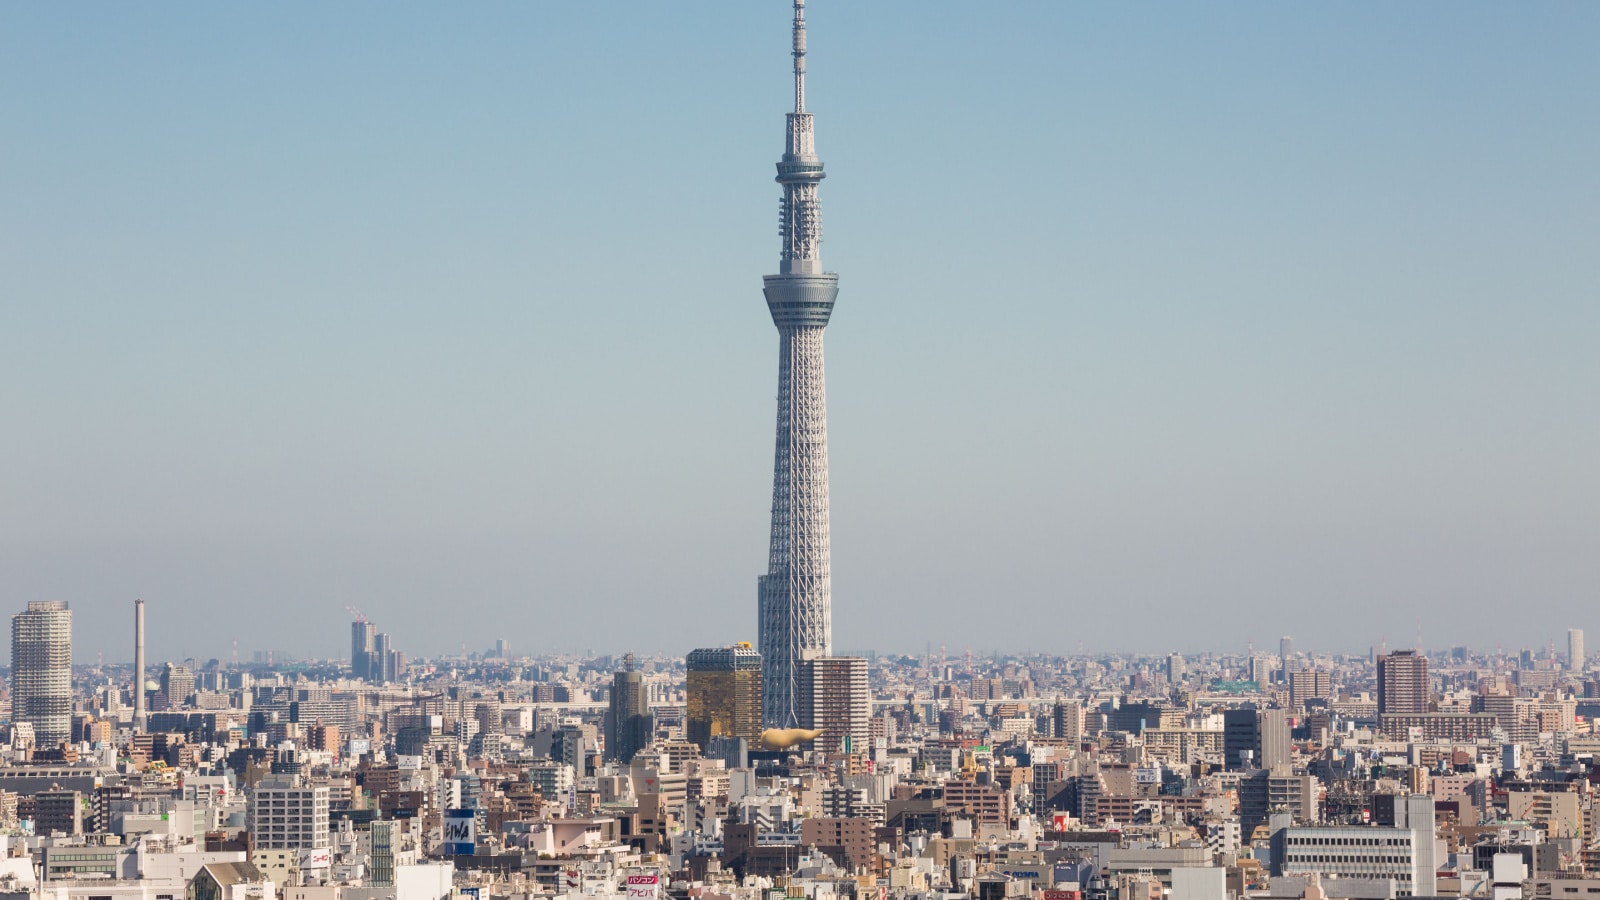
x: 799, y: 56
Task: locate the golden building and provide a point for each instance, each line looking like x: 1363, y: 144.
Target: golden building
x: 724, y: 694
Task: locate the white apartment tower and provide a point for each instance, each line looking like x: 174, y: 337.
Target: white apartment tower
x: 41, y: 671
x: 287, y: 815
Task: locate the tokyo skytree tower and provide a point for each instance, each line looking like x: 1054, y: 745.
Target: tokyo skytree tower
x: 795, y: 615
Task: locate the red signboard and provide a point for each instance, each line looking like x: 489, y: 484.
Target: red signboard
x: 644, y: 887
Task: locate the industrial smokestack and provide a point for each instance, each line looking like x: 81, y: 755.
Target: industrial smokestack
x: 138, y: 667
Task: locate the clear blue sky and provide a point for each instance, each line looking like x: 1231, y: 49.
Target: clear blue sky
x: 1162, y: 325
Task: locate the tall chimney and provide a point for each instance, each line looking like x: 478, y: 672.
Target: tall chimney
x: 138, y: 667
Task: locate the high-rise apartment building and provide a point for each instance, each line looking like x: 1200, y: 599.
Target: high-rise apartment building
x: 1066, y: 720
x: 628, y: 723
x: 177, y: 683
x: 372, y: 654
x: 284, y: 814
x: 381, y: 668
x: 1575, y: 649
x: 795, y: 596
x: 1264, y: 791
x: 834, y: 698
x: 571, y: 744
x: 1403, y: 683
x: 1177, y: 668
x: 363, y: 641
x: 1255, y: 738
x: 1272, y: 737
x: 1261, y: 670
x: 41, y: 671
x: 1308, y: 684
x: 553, y: 779
x: 323, y: 737
x: 723, y: 694
x: 385, y: 841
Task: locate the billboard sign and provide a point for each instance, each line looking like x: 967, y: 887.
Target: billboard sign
x: 644, y: 887
x: 1069, y: 875
x: 460, y: 832
x: 315, y: 859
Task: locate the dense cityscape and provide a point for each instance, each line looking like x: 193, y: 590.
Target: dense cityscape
x: 1282, y: 774
x: 764, y: 765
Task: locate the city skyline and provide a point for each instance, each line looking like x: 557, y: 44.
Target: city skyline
x: 1288, y: 322
x: 1390, y: 775
x: 231, y: 655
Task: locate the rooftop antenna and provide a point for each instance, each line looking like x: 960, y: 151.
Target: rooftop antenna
x: 799, y: 56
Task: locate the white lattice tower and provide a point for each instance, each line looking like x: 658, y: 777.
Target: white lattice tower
x: 795, y: 619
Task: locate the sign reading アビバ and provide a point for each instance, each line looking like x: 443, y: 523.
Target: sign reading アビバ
x: 644, y: 887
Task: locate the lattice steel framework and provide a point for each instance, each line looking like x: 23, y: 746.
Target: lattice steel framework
x: 795, y: 595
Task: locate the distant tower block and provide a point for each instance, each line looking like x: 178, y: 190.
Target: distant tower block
x: 41, y: 671
x: 1403, y: 685
x: 795, y: 596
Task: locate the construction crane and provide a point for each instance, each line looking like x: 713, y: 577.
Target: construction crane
x: 356, y: 614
